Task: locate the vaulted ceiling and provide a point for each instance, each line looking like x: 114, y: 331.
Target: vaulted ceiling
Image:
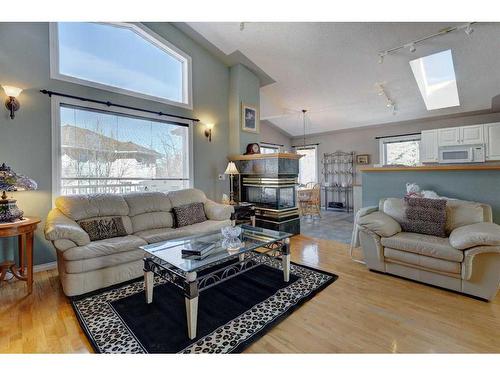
x: 332, y: 69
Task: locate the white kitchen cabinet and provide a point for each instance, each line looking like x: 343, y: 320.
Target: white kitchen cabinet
x: 449, y: 137
x: 472, y: 135
x: 492, y: 135
x: 464, y: 135
x: 429, y: 146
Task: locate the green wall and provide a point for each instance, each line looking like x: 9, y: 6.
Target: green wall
x: 243, y: 88
x: 25, y: 142
x: 480, y: 186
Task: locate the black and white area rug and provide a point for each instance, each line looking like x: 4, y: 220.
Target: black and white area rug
x: 231, y: 315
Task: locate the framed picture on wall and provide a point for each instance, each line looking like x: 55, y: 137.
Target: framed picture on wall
x: 363, y: 159
x: 249, y: 118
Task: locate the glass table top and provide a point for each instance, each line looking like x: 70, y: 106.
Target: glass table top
x: 171, y: 251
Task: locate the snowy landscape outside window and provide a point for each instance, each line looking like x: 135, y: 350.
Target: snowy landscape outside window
x: 400, y: 150
x: 106, y: 152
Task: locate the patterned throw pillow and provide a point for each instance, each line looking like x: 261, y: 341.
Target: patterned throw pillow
x: 189, y: 214
x: 425, y: 216
x: 101, y: 229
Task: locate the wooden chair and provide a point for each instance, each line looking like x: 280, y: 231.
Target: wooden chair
x: 309, y: 199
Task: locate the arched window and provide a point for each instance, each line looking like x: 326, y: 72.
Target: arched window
x: 121, y: 57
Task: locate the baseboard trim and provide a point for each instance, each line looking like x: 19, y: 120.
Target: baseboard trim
x: 44, y: 267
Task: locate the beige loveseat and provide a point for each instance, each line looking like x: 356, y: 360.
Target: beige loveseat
x: 467, y: 261
x: 86, y: 265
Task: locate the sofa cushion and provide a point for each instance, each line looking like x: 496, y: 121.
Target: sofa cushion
x: 380, y: 223
x: 186, y: 196
x: 189, y: 214
x: 103, y: 228
x: 152, y: 220
x: 104, y: 247
x: 423, y: 244
x: 425, y: 216
x: 204, y: 227
x: 144, y: 202
x: 92, y: 264
x: 158, y: 234
x: 475, y: 235
x: 460, y: 213
x: 423, y: 261
x: 165, y: 234
x: 78, y: 207
x: 395, y: 208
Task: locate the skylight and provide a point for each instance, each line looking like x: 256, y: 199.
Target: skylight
x: 436, y: 80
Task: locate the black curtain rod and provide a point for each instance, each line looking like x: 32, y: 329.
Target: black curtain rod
x: 309, y: 144
x: 399, y: 135
x: 109, y: 104
x: 272, y: 144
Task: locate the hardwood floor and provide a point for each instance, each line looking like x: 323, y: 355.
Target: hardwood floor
x: 362, y: 312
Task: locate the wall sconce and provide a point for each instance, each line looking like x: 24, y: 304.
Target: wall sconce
x: 12, y: 103
x: 208, y: 131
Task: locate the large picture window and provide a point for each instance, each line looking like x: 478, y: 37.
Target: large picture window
x: 108, y: 152
x: 121, y: 57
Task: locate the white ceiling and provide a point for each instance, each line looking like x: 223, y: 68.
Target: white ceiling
x: 331, y: 69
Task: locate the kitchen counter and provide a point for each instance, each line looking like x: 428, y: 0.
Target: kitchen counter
x: 438, y: 167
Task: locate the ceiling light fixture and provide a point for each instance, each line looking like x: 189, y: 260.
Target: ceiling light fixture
x: 468, y: 29
x: 304, y: 126
x: 389, y: 102
x: 411, y: 45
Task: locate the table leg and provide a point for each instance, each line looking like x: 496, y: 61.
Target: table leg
x: 285, y: 260
x: 20, y: 249
x: 192, y: 316
x: 149, y: 279
x: 191, y: 299
x: 149, y: 285
x: 29, y: 255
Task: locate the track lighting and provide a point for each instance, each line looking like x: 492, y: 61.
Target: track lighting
x: 381, y: 58
x: 389, y: 102
x: 467, y: 28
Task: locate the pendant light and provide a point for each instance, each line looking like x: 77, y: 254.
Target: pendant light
x: 304, y: 127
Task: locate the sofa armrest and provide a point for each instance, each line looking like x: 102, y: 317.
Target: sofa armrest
x: 381, y: 224
x: 58, y: 226
x: 470, y: 254
x: 217, y: 211
x: 479, y: 234
x: 366, y: 211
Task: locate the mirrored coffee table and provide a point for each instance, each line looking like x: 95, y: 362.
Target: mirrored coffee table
x: 165, y: 259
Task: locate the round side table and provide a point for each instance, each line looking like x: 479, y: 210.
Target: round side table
x: 24, y: 230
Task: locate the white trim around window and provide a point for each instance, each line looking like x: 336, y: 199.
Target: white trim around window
x: 149, y: 35
x: 383, y: 141
x: 316, y: 163
x: 56, y: 103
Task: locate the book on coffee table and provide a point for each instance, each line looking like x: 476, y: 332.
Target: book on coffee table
x: 198, y: 248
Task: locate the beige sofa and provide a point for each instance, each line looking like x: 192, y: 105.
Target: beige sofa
x: 467, y: 261
x: 86, y: 265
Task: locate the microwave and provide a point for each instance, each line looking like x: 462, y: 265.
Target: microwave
x: 462, y: 154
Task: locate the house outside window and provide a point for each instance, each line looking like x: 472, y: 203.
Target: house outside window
x: 97, y: 151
